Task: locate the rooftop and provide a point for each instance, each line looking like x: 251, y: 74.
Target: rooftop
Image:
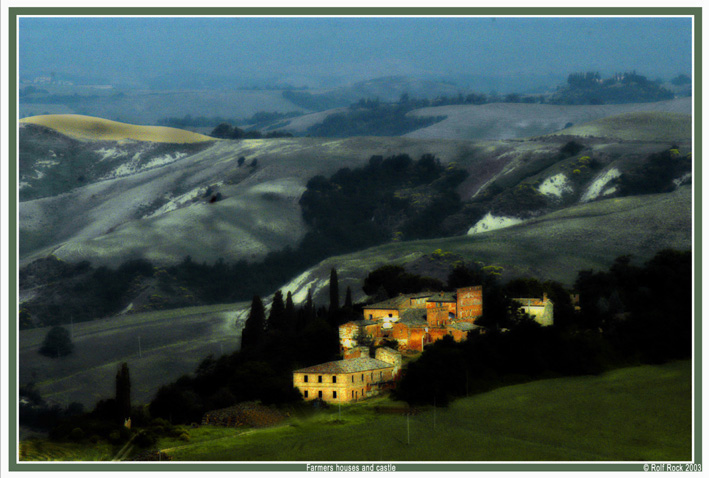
x: 532, y: 302
x: 360, y: 364
x: 413, y: 318
x: 392, y: 303
x: 443, y: 297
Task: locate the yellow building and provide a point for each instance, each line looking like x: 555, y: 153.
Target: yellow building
x: 350, y: 379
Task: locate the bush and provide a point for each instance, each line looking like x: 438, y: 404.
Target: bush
x: 77, y: 434
x: 57, y: 343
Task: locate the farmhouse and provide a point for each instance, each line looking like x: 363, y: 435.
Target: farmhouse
x: 356, y: 377
x: 415, y: 320
x: 541, y: 310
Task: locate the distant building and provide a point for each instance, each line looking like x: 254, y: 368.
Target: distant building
x: 541, y: 310
x: 356, y: 377
x: 416, y: 320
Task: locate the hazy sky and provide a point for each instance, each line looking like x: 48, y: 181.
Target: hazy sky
x: 301, y: 49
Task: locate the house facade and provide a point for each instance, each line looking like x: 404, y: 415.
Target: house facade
x: 356, y: 377
x: 541, y: 310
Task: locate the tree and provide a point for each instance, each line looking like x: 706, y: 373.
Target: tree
x: 290, y: 313
x: 123, y: 391
x: 224, y: 130
x: 277, y: 315
x: 348, y: 298
x: 255, y: 325
x: 334, y: 292
x: 57, y: 343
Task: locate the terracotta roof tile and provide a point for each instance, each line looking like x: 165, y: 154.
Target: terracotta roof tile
x: 355, y: 365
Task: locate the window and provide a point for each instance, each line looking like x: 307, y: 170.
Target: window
x: 371, y: 376
x: 305, y: 378
x: 319, y: 378
x: 334, y: 379
x: 320, y: 394
x: 371, y: 316
x: 334, y: 394
x: 305, y: 394
x: 352, y: 378
x: 381, y: 374
x: 363, y: 377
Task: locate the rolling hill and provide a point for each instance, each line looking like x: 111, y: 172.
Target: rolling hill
x: 89, y: 128
x: 518, y: 120
x: 107, y: 201
x: 550, y: 247
x: 158, y: 346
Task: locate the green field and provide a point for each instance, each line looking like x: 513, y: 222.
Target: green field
x: 633, y: 414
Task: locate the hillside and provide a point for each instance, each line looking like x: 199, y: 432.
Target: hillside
x: 609, y: 417
x: 107, y: 201
x: 551, y: 247
x: 518, y: 120
x: 593, y: 418
x: 172, y: 343
x: 637, y: 126
x: 89, y: 128
x: 138, y: 199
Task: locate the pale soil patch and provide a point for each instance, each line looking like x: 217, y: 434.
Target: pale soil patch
x: 556, y: 186
x: 596, y: 187
x: 490, y: 223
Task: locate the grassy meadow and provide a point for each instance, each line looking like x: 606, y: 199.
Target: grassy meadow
x: 631, y: 414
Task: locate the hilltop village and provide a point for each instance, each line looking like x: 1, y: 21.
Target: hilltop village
x: 407, y: 322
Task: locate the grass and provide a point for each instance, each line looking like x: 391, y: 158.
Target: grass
x: 632, y: 414
x: 92, y: 129
x: 45, y: 450
x: 640, y: 126
x: 641, y: 413
x: 172, y: 342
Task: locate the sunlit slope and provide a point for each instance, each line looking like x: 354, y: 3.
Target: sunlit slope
x: 552, y: 247
x: 640, y: 126
x: 98, y: 129
x: 520, y: 120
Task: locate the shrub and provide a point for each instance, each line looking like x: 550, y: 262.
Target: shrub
x: 76, y: 434
x: 57, y: 343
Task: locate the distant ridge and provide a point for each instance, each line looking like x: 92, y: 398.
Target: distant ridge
x: 88, y: 128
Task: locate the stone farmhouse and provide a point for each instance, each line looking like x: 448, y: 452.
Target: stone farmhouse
x: 412, y: 321
x: 356, y: 377
x: 416, y: 320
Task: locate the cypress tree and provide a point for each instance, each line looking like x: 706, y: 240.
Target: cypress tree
x: 348, y: 298
x: 255, y: 326
x: 277, y: 315
x: 309, y: 308
x: 334, y: 292
x: 290, y: 313
x: 123, y: 392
